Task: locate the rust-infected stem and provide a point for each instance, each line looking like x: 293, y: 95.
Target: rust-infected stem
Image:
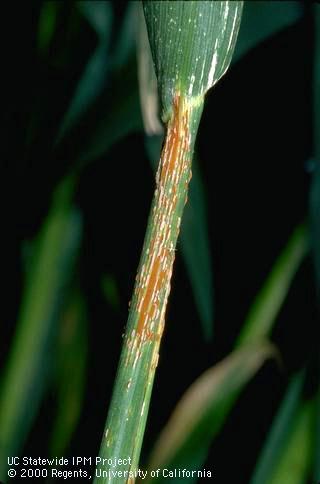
x: 139, y: 357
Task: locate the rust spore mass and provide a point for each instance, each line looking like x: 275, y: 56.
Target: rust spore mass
x: 153, y: 280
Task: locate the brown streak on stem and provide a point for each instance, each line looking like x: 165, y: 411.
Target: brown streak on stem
x: 153, y: 280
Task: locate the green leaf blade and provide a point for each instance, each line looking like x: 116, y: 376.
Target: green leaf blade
x: 72, y: 354
x: 92, y: 81
x: 25, y: 377
x: 279, y: 433
x: 201, y: 412
x: 315, y: 201
x: 295, y: 463
x: 264, y: 310
x: 195, y: 248
x: 192, y: 44
x: 261, y: 20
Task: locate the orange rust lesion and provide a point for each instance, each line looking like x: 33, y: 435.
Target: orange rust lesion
x: 153, y: 282
x: 177, y: 138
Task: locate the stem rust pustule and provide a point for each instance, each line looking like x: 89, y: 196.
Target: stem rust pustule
x: 174, y: 173
x: 145, y: 325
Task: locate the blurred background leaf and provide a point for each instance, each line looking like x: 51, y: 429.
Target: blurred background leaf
x: 184, y: 442
x: 30, y: 362
x: 279, y: 435
x: 266, y: 307
x: 47, y: 24
x: 262, y: 20
x: 72, y: 349
x: 296, y: 457
x: 314, y: 202
x: 93, y: 79
x: 203, y: 409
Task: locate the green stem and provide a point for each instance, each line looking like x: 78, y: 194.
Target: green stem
x: 129, y: 406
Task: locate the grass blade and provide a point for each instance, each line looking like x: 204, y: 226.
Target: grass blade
x: 47, y: 24
x: 195, y: 248
x: 148, y: 85
x: 122, y: 117
x: 200, y: 414
x: 99, y: 15
x: 192, y: 45
x: 28, y: 366
x: 256, y: 330
x: 315, y: 201
x: 267, y: 304
x: 295, y: 462
x: 125, y: 43
x: 71, y: 373
x: 315, y: 186
x: 279, y: 432
x: 262, y: 20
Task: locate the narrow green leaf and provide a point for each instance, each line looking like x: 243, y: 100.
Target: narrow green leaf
x: 47, y: 24
x: 315, y: 199
x: 263, y: 19
x: 257, y: 328
x: 296, y: 459
x: 148, y: 84
x: 119, y: 115
x: 99, y: 15
x: 125, y: 42
x: 279, y: 433
x: 29, y: 362
x: 314, y: 221
x: 123, y: 117
x: 195, y: 247
x: 194, y: 240
x: 316, y: 471
x: 192, y: 45
x: 200, y: 414
x: 315, y: 186
x: 71, y: 373
x: 267, y: 304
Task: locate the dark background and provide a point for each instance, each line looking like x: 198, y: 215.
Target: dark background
x: 254, y: 145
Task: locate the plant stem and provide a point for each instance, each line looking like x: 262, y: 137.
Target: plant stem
x: 129, y: 406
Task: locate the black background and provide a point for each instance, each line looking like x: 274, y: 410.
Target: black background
x: 254, y: 145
